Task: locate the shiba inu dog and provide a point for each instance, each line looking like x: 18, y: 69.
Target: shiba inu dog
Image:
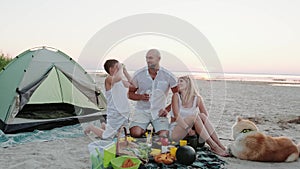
x: 250, y: 144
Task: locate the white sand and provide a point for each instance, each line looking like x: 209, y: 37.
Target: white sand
x: 58, y: 154
x: 73, y: 153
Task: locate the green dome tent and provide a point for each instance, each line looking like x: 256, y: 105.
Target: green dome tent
x: 43, y: 88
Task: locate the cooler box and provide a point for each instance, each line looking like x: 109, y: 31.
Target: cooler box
x: 101, y: 152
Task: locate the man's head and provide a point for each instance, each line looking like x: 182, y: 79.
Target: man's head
x: 110, y: 66
x: 153, y: 58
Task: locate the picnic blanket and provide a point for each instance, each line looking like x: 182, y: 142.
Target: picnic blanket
x: 9, y: 140
x: 205, y: 159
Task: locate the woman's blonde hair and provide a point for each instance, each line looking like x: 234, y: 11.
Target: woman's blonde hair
x: 191, y: 89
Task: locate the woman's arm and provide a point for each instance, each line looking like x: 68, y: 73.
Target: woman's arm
x: 201, y: 106
x: 175, y: 108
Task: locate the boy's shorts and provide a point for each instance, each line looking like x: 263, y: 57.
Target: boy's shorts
x: 113, y: 125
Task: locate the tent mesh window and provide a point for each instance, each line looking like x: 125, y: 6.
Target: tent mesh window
x: 58, y: 110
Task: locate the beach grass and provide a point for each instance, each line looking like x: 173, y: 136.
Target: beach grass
x: 4, y: 60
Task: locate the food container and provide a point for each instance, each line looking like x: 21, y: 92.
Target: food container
x: 101, y: 153
x: 117, y: 162
x: 182, y: 142
x: 173, y: 151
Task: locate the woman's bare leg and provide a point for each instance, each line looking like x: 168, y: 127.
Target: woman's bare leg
x: 211, y: 131
x: 202, y: 131
x: 179, y: 131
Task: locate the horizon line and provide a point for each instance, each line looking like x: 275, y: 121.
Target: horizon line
x: 178, y: 71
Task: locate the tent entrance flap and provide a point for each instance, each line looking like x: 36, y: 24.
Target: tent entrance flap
x: 49, y: 91
x: 57, y: 88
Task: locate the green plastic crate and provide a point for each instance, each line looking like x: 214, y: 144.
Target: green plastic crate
x: 101, y: 153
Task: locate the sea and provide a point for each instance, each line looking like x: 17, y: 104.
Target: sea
x: 275, y: 79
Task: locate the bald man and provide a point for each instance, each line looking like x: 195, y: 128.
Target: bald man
x: 151, y: 87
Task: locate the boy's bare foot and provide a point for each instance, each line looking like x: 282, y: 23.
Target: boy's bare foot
x: 87, y: 130
x: 103, y: 126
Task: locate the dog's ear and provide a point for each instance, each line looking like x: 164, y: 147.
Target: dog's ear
x: 238, y: 118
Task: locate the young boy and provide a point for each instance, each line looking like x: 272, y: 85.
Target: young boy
x: 117, y: 100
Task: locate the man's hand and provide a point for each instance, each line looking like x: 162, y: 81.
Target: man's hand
x: 145, y: 97
x: 162, y: 113
x: 137, y: 97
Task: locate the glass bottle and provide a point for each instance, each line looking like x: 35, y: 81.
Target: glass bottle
x: 164, y: 144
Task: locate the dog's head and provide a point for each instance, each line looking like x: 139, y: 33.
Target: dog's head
x: 241, y: 126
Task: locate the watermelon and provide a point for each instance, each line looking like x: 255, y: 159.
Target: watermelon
x: 185, y: 155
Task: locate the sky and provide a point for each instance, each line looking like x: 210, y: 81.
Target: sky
x: 248, y: 36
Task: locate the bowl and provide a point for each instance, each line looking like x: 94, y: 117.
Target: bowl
x: 117, y: 162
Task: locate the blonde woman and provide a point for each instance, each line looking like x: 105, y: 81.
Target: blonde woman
x: 188, y: 111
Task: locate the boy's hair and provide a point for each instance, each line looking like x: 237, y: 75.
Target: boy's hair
x: 109, y: 63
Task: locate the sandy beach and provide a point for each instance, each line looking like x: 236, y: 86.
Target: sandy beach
x: 73, y: 153
x: 259, y: 102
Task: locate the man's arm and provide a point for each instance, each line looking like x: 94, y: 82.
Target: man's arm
x: 133, y: 96
x: 164, y: 112
x: 174, y: 90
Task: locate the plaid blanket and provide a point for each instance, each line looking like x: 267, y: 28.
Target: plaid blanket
x: 205, y: 160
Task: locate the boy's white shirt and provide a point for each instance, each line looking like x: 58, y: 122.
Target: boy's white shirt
x: 120, y: 99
